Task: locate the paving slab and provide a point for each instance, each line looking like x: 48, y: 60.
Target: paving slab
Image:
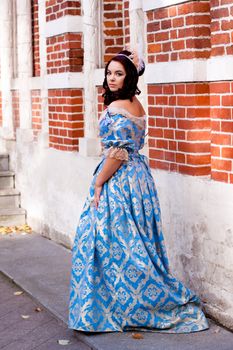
x: 42, y: 267
x: 36, y: 329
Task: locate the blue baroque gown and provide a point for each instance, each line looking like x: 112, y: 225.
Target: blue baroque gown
x: 120, y: 277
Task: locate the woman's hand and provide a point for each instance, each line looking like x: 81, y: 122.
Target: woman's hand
x: 97, y: 193
x: 110, y: 167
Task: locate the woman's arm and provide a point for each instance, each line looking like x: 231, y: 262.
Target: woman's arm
x: 110, y: 167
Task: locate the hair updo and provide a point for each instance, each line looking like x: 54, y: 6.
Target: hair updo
x: 129, y: 88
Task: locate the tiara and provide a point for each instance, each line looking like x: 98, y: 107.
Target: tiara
x: 137, y: 62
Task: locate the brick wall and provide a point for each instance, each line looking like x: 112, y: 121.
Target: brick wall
x: 221, y: 27
x: 59, y: 8
x: 65, y: 53
x: 179, y: 127
x: 190, y: 124
x: 100, y: 103
x: 112, y: 28
x: 221, y: 101
x: 15, y: 110
x: 36, y: 112
x: 65, y: 118
x: 126, y: 22
x: 179, y: 32
x: 35, y: 39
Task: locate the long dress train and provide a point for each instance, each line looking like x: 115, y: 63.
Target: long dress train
x: 120, y: 277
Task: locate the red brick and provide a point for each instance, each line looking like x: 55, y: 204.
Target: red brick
x: 219, y: 176
x: 220, y: 87
x: 221, y: 164
x: 162, y: 144
x: 166, y: 24
x: 194, y: 147
x: 159, y: 165
x: 154, y: 48
x: 180, y: 88
x: 157, y: 154
x: 197, y: 19
x: 195, y: 171
x: 161, y: 100
x: 180, y: 135
x: 227, y: 152
x: 180, y: 158
x: 198, y: 135
x: 178, y: 45
x: 227, y: 25
x: 153, y: 27
x: 161, y: 36
x: 169, y: 134
x: 221, y: 139
x: 178, y: 22
x: 227, y: 100
x: 160, y: 13
x: 161, y: 122
x: 172, y: 145
x: 227, y: 126
x: 168, y: 112
x: 197, y: 88
x: 155, y: 132
x: 220, y: 39
x: 198, y: 159
x: 215, y: 125
x: 184, y: 9
x: 172, y: 123
x: 154, y: 89
x: 215, y: 26
x: 215, y: 151
x: 198, y: 113
x: 170, y: 156
x: 180, y: 112
x: 219, y: 13
x: 198, y: 43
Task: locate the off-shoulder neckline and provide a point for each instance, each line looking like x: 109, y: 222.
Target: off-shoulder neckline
x: 125, y: 112
x: 139, y: 121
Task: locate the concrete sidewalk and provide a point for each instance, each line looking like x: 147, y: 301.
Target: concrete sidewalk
x: 26, y: 325
x: 42, y: 268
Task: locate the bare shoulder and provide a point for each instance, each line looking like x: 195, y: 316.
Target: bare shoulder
x: 135, y: 108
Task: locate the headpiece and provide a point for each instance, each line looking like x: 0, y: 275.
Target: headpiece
x: 135, y: 59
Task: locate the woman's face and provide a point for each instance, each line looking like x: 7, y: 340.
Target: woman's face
x: 115, y: 75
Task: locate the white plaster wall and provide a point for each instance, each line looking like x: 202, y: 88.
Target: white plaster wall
x: 197, y: 217
x: 53, y: 186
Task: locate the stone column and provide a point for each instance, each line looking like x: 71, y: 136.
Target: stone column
x: 90, y: 145
x: 138, y: 39
x: 24, y: 67
x: 6, y: 61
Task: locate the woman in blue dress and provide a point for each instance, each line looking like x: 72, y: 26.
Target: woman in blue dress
x: 120, y: 277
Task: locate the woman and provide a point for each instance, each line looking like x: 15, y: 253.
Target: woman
x: 120, y: 275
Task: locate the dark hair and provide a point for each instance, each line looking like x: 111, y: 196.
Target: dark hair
x: 129, y: 88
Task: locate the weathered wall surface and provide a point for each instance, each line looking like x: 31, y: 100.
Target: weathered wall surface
x: 198, y: 228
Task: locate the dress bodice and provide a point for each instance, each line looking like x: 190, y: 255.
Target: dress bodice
x: 119, y: 128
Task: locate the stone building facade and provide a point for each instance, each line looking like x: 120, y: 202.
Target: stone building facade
x: 52, y: 57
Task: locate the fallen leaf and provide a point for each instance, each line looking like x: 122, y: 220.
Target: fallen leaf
x: 25, y: 316
x: 38, y: 309
x: 19, y: 292
x: 137, y: 336
x: 217, y: 330
x: 23, y: 229
x: 63, y: 341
